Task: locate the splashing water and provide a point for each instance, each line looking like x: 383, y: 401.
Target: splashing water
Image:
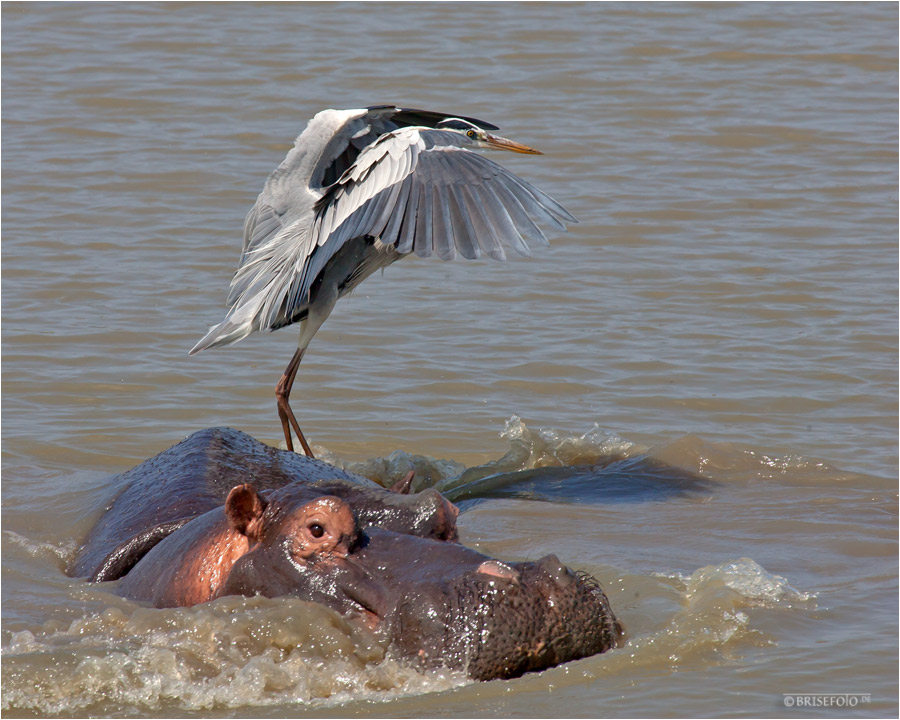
x: 230, y: 653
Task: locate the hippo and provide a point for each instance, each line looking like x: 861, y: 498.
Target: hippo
x: 162, y: 494
x: 298, y: 527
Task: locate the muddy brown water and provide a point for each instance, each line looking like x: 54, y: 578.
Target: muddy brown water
x: 697, y: 385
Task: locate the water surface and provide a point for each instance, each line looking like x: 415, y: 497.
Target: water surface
x: 713, y: 347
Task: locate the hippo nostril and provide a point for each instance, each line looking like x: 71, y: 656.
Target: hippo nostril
x: 555, y: 570
x: 498, y: 570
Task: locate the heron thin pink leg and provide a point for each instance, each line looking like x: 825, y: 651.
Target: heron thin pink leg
x: 286, y: 415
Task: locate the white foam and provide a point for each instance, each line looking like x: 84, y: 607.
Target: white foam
x: 547, y: 447
x: 748, y: 579
x: 234, y: 652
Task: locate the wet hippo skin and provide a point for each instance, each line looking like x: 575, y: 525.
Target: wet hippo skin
x: 299, y: 527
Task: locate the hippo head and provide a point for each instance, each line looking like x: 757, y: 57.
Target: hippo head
x: 302, y: 549
x: 440, y: 603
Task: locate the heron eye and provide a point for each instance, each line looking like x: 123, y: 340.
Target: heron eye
x: 471, y: 134
x: 316, y: 530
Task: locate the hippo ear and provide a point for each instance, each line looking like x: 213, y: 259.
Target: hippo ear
x: 244, y: 508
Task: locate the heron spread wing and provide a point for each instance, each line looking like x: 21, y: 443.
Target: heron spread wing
x: 374, y: 173
x: 421, y: 190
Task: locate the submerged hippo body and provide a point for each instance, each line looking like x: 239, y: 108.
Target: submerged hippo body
x: 388, y: 560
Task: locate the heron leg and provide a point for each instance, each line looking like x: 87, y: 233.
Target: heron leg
x: 282, y: 394
x: 322, y: 299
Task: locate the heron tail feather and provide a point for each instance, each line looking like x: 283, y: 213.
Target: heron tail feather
x: 227, y: 332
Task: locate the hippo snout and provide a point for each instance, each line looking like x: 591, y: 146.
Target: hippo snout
x: 497, y: 619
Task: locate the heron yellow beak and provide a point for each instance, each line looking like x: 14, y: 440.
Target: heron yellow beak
x: 499, y: 143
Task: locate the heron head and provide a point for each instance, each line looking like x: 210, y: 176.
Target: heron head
x: 480, y: 137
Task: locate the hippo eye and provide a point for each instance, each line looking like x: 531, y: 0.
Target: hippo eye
x: 316, y: 530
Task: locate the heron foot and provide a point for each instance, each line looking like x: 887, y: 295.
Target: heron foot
x: 288, y: 421
x: 285, y: 414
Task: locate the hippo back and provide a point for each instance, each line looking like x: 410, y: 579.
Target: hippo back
x: 188, y: 480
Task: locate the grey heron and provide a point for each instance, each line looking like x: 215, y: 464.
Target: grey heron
x: 359, y: 190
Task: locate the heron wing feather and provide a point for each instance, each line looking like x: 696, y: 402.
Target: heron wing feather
x: 396, y: 213
x: 444, y: 244
x: 525, y: 226
x: 482, y: 228
x: 500, y: 217
x: 421, y: 190
x: 464, y: 233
